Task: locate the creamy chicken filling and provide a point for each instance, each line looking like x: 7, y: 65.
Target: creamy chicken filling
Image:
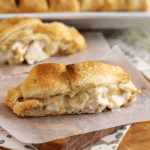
x: 91, y: 101
x: 31, y: 52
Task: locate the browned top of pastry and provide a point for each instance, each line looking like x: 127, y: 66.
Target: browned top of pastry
x: 51, y: 79
x: 92, y: 74
x: 46, y: 80
x: 39, y: 6
x: 8, y: 6
x: 62, y: 32
x: 64, y: 6
x: 31, y: 6
x: 114, y: 5
x: 9, y: 26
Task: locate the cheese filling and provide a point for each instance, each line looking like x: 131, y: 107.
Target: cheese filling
x: 32, y: 52
x: 31, y: 48
x: 35, y: 53
x: 93, y: 100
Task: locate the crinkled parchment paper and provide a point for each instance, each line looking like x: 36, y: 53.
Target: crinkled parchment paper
x: 44, y: 129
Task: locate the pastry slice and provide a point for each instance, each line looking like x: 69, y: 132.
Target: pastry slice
x: 31, y: 6
x: 8, y: 6
x: 64, y: 6
x: 60, y: 89
x: 29, y: 40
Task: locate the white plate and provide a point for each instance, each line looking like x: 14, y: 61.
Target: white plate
x: 93, y: 19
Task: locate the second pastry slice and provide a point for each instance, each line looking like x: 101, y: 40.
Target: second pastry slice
x: 30, y: 40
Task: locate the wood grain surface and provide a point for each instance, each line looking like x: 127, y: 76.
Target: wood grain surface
x: 137, y: 137
x: 76, y: 142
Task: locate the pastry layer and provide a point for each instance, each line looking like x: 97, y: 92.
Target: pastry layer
x: 31, y: 6
x: 64, y: 6
x: 114, y: 5
x: 8, y: 6
x: 58, y: 89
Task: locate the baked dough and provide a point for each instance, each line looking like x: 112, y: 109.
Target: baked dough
x: 137, y: 5
x: 8, y: 6
x: 64, y: 6
x: 31, y: 6
x: 99, y: 5
x: 59, y: 89
x: 30, y: 40
x: 41, y: 6
x: 114, y: 5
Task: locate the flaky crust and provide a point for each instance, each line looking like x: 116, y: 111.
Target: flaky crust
x: 64, y: 6
x: 31, y: 6
x: 58, y: 31
x: 12, y: 96
x: 57, y: 78
x: 40, y: 6
x: 50, y: 79
x: 10, y: 26
x: 99, y: 5
x: 92, y: 74
x: 133, y: 5
x: 137, y: 5
x: 8, y: 6
x: 114, y: 5
x: 46, y: 80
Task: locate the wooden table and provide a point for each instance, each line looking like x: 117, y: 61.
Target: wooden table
x: 137, y: 137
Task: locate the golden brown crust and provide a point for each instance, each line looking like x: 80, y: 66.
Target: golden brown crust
x: 34, y: 6
x: 12, y: 96
x: 31, y: 6
x: 137, y: 5
x: 99, y: 5
x: 114, y: 5
x: 8, y: 6
x: 122, y: 5
x: 9, y: 26
x: 133, y: 5
x: 25, y: 107
x: 146, y: 5
x: 59, y: 31
x: 92, y: 73
x: 89, y: 5
x: 46, y: 81
x: 109, y: 5
x: 64, y: 6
